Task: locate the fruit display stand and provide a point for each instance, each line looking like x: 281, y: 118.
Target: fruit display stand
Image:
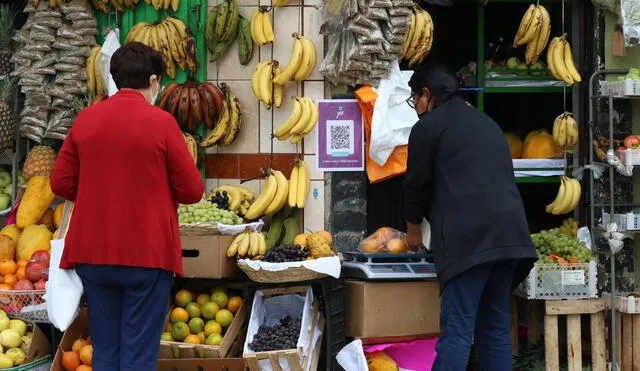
x: 270, y: 306
x: 628, y: 327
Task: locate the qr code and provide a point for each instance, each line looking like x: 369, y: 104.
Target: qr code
x: 340, y: 137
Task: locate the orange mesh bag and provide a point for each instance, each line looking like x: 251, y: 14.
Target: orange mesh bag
x: 397, y: 162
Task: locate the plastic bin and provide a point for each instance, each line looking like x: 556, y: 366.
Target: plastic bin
x: 557, y: 281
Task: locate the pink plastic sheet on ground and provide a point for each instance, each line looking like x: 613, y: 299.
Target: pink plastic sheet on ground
x: 416, y: 355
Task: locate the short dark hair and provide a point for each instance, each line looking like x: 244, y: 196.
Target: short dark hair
x: 133, y: 64
x: 440, y: 81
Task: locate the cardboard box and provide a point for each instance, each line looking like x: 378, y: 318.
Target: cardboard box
x: 386, y: 309
x: 40, y: 352
x: 206, y: 257
x: 78, y: 329
x: 228, y: 364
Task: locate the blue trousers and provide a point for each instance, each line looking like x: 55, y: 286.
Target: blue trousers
x: 127, y: 308
x: 474, y: 308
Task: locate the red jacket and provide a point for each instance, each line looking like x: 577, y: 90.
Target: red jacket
x: 126, y: 166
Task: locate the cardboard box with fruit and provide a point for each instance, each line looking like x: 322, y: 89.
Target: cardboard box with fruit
x: 23, y: 347
x: 203, y: 323
x: 75, y: 352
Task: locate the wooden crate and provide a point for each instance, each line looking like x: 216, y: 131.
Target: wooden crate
x: 573, y: 310
x: 628, y: 340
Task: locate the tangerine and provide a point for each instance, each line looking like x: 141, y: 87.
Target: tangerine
x: 234, y: 304
x: 301, y: 240
x: 84, y: 368
x: 183, y: 297
x: 22, y: 263
x: 179, y: 315
x: 8, y: 266
x: 10, y: 280
x: 78, y: 344
x: 224, y: 317
x: 70, y: 361
x: 192, y: 339
x: 86, y: 354
x: 21, y: 274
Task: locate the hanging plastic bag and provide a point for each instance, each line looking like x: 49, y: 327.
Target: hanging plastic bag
x: 397, y: 162
x: 111, y: 44
x: 64, y: 288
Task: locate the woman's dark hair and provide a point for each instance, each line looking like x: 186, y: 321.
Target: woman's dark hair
x: 440, y: 81
x: 133, y: 64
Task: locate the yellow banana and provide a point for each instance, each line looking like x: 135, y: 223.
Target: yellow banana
x: 313, y: 120
x: 293, y: 186
x: 418, y: 34
x: 409, y: 36
x: 294, y: 63
x: 234, y: 194
x: 267, y: 27
x: 254, y: 244
x: 255, y: 78
x: 296, y: 112
x: 281, y: 196
x: 305, y: 116
x: 235, y: 244
x: 572, y: 131
x: 266, y: 85
x: 562, y: 132
x: 308, y: 62
x: 304, y: 182
x: 559, y: 63
x: 528, y: 20
x: 559, y: 196
x: 262, y: 244
x: 243, y: 247
x: 278, y: 90
x: 569, y: 64
x: 264, y: 199
x: 257, y: 31
x: 576, y: 193
x: 564, y: 204
x: 556, y: 127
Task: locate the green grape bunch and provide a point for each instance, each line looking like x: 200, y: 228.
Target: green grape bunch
x: 206, y: 212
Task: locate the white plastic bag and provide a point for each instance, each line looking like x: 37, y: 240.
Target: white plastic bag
x: 111, y: 44
x: 392, y: 117
x: 64, y: 288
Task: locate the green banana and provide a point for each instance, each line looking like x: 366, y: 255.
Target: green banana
x: 231, y: 26
x: 276, y: 230
x: 221, y: 20
x: 245, y: 43
x: 220, y: 49
x: 210, y: 30
x: 291, y: 227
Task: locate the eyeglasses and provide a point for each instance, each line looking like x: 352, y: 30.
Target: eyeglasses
x: 411, y: 102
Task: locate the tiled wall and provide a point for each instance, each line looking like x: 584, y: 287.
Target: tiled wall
x: 253, y: 148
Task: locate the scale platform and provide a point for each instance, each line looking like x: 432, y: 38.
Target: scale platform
x: 388, y: 266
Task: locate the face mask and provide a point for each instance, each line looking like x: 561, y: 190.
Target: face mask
x: 154, y: 97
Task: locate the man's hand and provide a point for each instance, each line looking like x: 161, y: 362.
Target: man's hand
x: 414, y: 236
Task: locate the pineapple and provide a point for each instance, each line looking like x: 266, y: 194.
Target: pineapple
x: 39, y: 162
x: 7, y: 16
x: 7, y: 120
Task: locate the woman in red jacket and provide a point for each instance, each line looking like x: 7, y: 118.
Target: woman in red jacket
x: 126, y: 166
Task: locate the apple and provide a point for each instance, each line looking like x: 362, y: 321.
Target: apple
x: 40, y: 285
x: 34, y: 270
x: 23, y: 285
x: 5, y: 201
x: 41, y: 256
x: 631, y: 141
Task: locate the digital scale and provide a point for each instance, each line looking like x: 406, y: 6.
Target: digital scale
x: 388, y: 266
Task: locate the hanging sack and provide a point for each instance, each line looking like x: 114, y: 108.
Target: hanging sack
x: 64, y: 288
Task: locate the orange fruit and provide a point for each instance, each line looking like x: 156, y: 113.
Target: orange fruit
x: 10, y: 280
x: 183, y: 297
x: 301, y: 240
x: 179, y: 315
x: 78, y: 344
x: 327, y: 236
x: 192, y: 339
x: 224, y: 317
x: 22, y: 263
x: 4, y: 286
x: 8, y: 266
x: 84, y: 368
x: 70, y: 361
x: 21, y: 274
x: 86, y: 354
x: 234, y: 304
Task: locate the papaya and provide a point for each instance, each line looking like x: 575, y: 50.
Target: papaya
x: 35, y: 202
x: 33, y: 238
x: 7, y: 247
x: 12, y: 231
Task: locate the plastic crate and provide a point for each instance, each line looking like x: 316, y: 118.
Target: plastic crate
x: 24, y: 304
x: 626, y: 87
x: 557, y: 281
x: 629, y: 156
x: 624, y: 302
x: 625, y: 222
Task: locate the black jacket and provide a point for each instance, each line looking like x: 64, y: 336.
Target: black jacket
x: 460, y: 177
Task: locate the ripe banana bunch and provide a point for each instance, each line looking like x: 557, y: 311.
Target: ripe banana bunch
x: 261, y: 27
x: 301, y: 63
x: 273, y: 197
x: 221, y: 28
x: 172, y: 38
x: 567, y: 198
x: 229, y: 123
x: 192, y: 145
x: 419, y: 39
x: 240, y: 198
x: 119, y: 5
x: 192, y: 103
x: 163, y: 4
x: 262, y: 84
x: 301, y: 122
x: 536, y: 22
x: 299, y: 184
x: 95, y: 81
x: 248, y: 243
x: 565, y: 130
x: 560, y: 61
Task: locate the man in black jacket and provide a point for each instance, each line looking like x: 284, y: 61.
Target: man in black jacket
x: 460, y: 178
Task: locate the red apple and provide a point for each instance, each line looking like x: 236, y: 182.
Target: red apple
x: 34, y: 270
x: 40, y: 285
x: 42, y: 256
x: 631, y: 141
x: 621, y: 148
x: 23, y: 285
